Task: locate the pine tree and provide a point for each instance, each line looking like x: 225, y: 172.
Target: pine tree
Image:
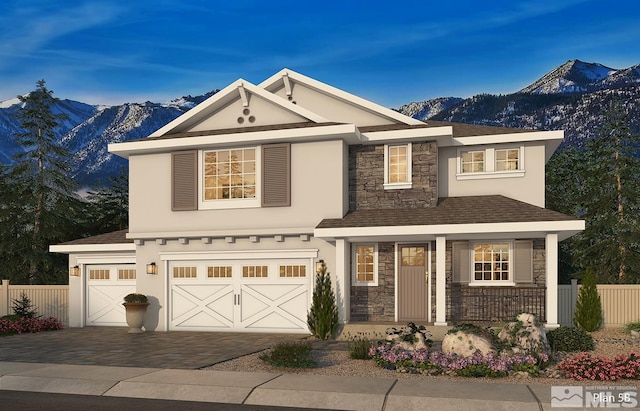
x: 108, y: 206
x: 39, y: 205
x: 588, y: 314
x: 610, y: 200
x: 323, y: 315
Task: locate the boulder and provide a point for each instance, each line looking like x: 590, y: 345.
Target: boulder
x: 525, y: 334
x: 466, y: 344
x: 635, y: 334
x: 419, y: 344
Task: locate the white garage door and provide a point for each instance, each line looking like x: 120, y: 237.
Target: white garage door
x: 106, y: 287
x: 240, y: 295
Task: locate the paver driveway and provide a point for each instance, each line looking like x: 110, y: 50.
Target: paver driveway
x: 114, y: 346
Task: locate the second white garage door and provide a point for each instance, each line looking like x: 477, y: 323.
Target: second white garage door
x: 266, y: 295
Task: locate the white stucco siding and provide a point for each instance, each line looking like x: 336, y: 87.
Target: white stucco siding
x: 318, y: 182
x: 528, y: 187
x: 158, y: 287
x: 332, y: 108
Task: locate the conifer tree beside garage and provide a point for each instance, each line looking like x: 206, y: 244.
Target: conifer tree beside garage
x: 323, y: 315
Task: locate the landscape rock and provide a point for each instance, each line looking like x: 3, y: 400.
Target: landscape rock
x: 419, y: 344
x: 526, y: 334
x: 466, y: 344
x: 635, y: 334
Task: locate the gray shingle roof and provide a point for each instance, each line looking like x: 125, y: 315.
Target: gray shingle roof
x: 450, y: 210
x: 114, y: 237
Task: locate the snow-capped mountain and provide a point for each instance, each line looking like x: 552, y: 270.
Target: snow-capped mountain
x: 423, y: 110
x: 573, y: 97
x: 576, y: 76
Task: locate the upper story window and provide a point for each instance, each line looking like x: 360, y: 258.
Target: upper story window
x: 472, y: 161
x: 230, y: 178
x: 507, y: 160
x: 397, y: 166
x: 229, y: 174
x: 365, y: 264
x: 491, y: 263
x: 490, y: 162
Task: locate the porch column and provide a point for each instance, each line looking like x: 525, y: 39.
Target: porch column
x: 441, y: 282
x: 551, y: 305
x: 343, y: 280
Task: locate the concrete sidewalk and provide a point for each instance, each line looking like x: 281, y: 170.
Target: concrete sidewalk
x: 288, y: 390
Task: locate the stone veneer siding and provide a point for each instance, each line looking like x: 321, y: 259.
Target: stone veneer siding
x: 376, y: 303
x: 458, y: 306
x: 366, y: 178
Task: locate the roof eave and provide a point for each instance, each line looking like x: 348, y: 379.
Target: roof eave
x: 89, y: 248
x: 531, y: 229
x: 347, y: 132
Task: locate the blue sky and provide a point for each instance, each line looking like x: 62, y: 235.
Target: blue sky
x: 114, y: 51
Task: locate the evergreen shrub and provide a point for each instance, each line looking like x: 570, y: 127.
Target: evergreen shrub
x: 588, y: 315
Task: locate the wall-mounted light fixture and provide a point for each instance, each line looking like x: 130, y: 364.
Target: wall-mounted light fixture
x: 319, y: 265
x: 152, y: 268
x: 74, y: 271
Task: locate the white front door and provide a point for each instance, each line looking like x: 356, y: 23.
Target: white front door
x: 106, y: 287
x: 266, y: 295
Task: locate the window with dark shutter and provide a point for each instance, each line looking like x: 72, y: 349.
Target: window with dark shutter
x: 276, y: 175
x: 184, y: 181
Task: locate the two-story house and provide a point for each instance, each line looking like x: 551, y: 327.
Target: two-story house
x: 234, y: 203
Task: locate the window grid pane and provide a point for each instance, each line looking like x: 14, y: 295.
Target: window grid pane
x: 185, y: 272
x: 219, y: 272
x: 126, y: 274
x: 255, y: 271
x: 507, y: 160
x: 412, y: 256
x: 98, y: 274
x: 230, y: 174
x: 365, y: 268
x: 293, y: 271
x: 491, y: 261
x: 472, y: 161
x: 397, y: 158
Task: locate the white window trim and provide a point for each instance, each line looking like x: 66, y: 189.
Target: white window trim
x: 354, y: 266
x: 229, y: 203
x: 397, y: 186
x: 490, y: 164
x: 490, y: 283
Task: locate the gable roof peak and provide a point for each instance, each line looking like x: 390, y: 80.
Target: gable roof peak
x: 287, y: 75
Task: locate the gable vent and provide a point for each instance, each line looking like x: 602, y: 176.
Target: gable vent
x: 276, y: 175
x: 184, y: 181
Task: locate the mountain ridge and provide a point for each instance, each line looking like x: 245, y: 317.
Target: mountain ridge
x: 571, y: 97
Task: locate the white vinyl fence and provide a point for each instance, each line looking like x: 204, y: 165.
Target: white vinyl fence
x: 620, y: 303
x: 48, y: 300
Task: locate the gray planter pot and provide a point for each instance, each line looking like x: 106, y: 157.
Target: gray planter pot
x: 135, y: 316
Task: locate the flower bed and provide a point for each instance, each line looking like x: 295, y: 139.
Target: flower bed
x: 19, y: 325
x: 477, y: 365
x: 586, y: 367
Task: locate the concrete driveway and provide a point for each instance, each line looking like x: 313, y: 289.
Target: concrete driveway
x: 114, y: 346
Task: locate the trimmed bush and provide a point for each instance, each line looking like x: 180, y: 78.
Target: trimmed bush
x: 570, y: 339
x: 135, y: 298
x: 588, y: 313
x: 295, y: 354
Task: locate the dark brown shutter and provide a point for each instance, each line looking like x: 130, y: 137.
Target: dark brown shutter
x: 461, y: 269
x: 276, y: 175
x: 184, y: 180
x: 523, y: 264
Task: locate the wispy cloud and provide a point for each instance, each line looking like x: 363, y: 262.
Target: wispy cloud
x: 27, y: 29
